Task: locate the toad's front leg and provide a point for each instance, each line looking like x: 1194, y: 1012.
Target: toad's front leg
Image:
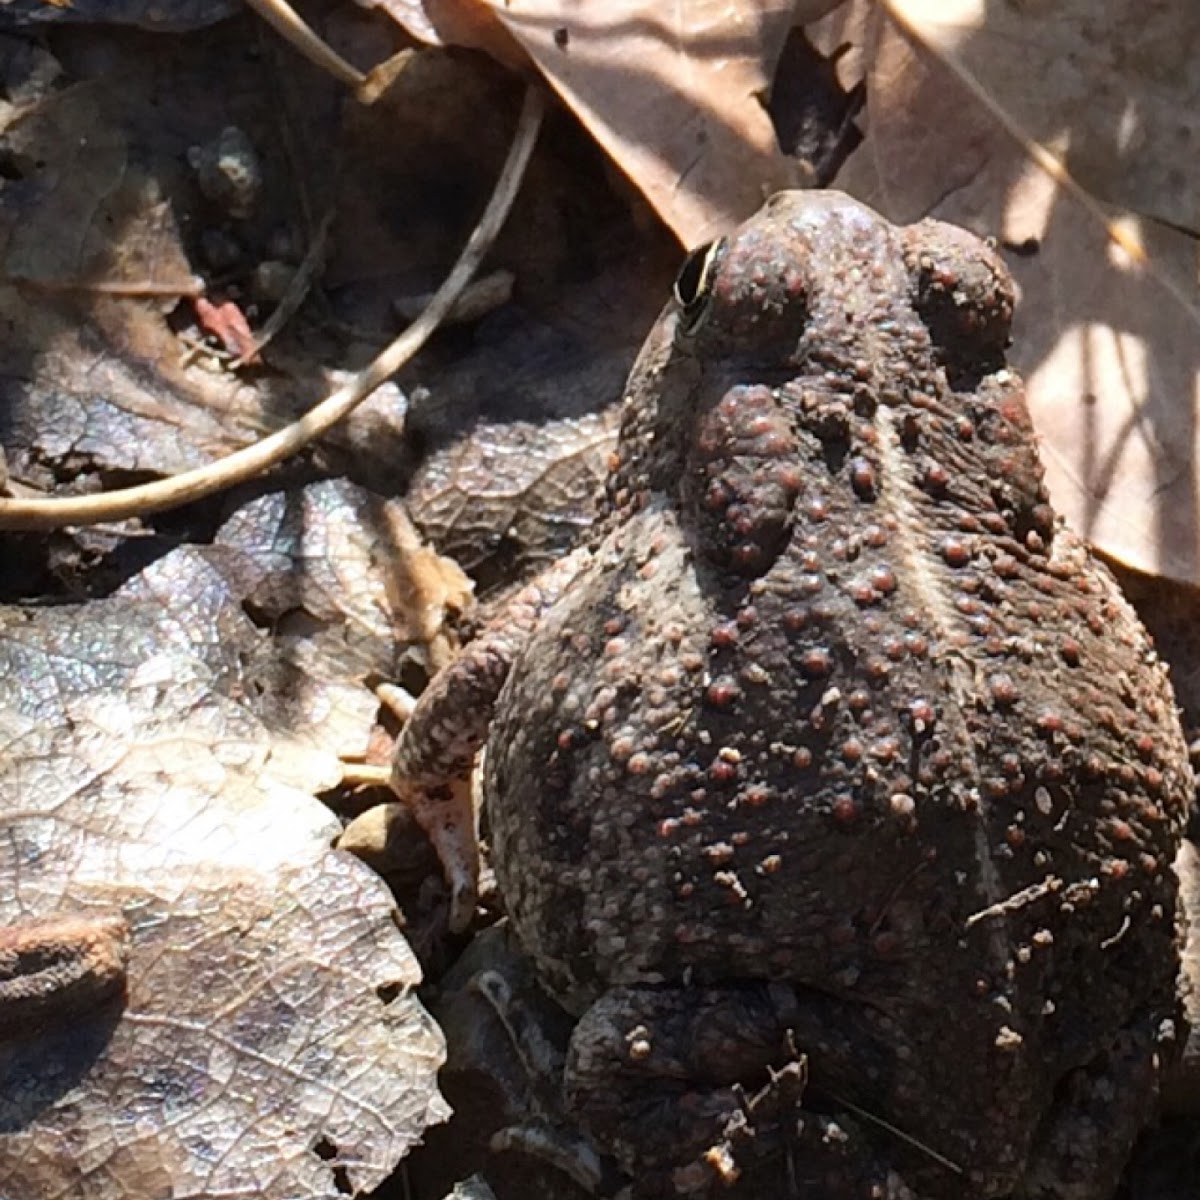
x: 436, y: 750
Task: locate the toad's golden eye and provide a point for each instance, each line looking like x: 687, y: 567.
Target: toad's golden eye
x: 693, y: 284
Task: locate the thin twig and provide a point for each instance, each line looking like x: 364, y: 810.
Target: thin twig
x: 295, y: 295
x: 895, y: 1131
x: 112, y: 287
x: 1036, y: 891
x: 55, y: 512
x: 363, y: 775
x: 291, y: 28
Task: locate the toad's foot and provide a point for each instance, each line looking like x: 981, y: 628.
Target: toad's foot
x: 565, y: 1150
x: 654, y: 1074
x: 1085, y: 1143
x: 446, y: 812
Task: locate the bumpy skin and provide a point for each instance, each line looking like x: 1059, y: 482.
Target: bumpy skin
x: 843, y: 752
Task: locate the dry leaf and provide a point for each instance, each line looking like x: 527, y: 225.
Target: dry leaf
x: 674, y: 93
x: 159, y: 764
x: 93, y: 377
x: 470, y: 23
x: 160, y: 15
x: 1110, y: 346
x: 102, y: 395
x: 509, y: 497
x: 1114, y: 91
x: 347, y: 559
x: 82, y: 214
x: 101, y: 202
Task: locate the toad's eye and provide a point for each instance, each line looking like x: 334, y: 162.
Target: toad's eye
x: 693, y: 285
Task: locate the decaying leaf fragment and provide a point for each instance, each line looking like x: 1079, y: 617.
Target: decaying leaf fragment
x: 159, y: 15
x: 265, y: 1042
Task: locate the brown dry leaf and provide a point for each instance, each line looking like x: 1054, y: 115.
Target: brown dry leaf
x: 1110, y: 346
x: 92, y: 380
x: 507, y: 498
x: 516, y: 429
x: 100, y: 197
x: 351, y: 562
x: 85, y: 215
x: 160, y: 756
x: 674, y: 93
x: 470, y: 23
x: 1113, y: 92
x: 104, y: 395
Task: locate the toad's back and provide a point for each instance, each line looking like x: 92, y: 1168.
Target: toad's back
x: 838, y: 701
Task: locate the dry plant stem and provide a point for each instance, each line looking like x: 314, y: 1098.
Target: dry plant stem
x: 112, y: 287
x: 56, y: 512
x: 293, y: 29
x: 364, y: 775
x: 297, y: 290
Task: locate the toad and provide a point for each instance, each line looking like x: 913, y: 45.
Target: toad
x: 834, y: 786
